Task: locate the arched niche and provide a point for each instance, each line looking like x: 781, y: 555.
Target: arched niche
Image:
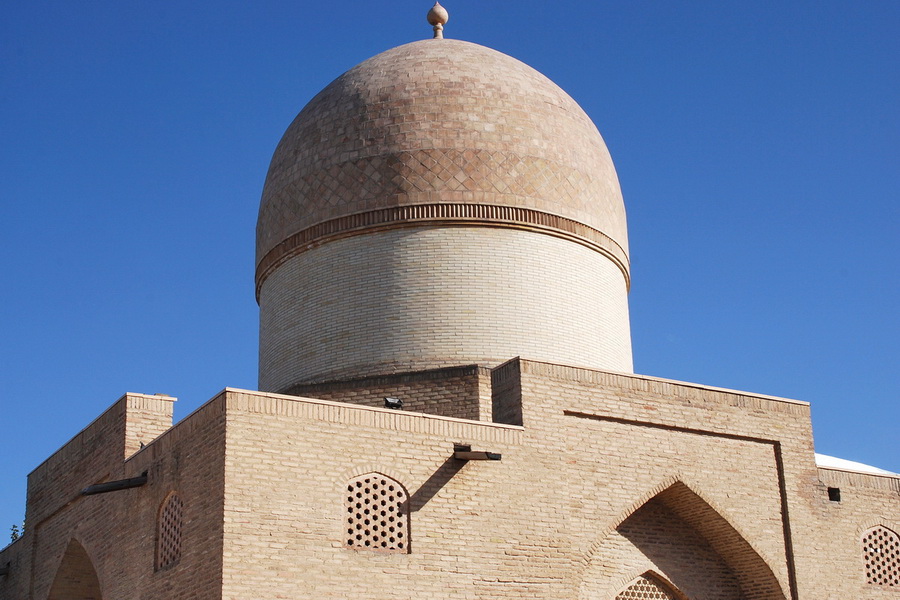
x: 75, y: 578
x: 679, y: 535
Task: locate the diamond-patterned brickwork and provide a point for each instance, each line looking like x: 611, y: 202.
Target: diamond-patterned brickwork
x: 171, y: 518
x: 417, y: 177
x: 881, y: 549
x: 376, y: 514
x: 439, y: 122
x: 646, y: 588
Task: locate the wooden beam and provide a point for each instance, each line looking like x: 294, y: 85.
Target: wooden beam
x: 469, y: 455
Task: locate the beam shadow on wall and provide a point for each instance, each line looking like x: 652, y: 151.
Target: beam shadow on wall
x: 433, y: 484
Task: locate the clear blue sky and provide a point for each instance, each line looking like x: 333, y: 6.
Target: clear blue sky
x: 758, y: 147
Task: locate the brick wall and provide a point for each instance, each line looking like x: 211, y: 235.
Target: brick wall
x: 113, y: 535
x: 289, y: 461
x: 463, y: 392
x: 866, y: 501
x: 15, y: 559
x: 611, y: 476
x: 631, y: 438
x: 554, y: 518
x: 506, y: 393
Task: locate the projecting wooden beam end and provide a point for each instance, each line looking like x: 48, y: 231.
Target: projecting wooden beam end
x: 469, y: 455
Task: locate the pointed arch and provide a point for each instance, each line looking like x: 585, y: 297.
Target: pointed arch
x: 693, y: 533
x: 76, y: 576
x: 752, y: 571
x: 650, y: 586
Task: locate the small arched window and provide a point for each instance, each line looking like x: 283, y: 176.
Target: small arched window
x: 881, y: 550
x: 168, y: 533
x: 648, y: 587
x: 376, y: 514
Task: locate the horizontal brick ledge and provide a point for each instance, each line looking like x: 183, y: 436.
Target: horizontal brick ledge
x: 862, y: 473
x: 670, y: 387
x: 487, y: 215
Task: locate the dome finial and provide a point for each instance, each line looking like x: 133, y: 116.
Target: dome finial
x: 437, y: 17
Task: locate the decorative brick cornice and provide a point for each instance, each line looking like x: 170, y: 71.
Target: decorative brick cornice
x: 471, y: 215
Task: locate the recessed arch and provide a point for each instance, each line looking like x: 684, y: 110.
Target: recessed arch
x: 76, y: 576
x: 678, y: 533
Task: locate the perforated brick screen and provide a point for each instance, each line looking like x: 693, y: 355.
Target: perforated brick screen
x: 645, y: 588
x: 168, y: 549
x: 881, y: 548
x: 376, y: 515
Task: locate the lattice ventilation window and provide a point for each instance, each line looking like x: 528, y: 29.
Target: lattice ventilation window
x: 376, y: 514
x: 168, y: 538
x: 646, y: 588
x: 881, y: 548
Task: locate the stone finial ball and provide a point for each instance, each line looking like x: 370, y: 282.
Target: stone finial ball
x: 438, y: 15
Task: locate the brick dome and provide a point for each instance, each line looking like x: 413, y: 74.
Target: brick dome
x: 440, y: 204
x: 457, y: 130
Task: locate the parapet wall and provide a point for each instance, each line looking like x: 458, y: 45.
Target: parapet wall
x: 462, y: 392
x: 97, y: 452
